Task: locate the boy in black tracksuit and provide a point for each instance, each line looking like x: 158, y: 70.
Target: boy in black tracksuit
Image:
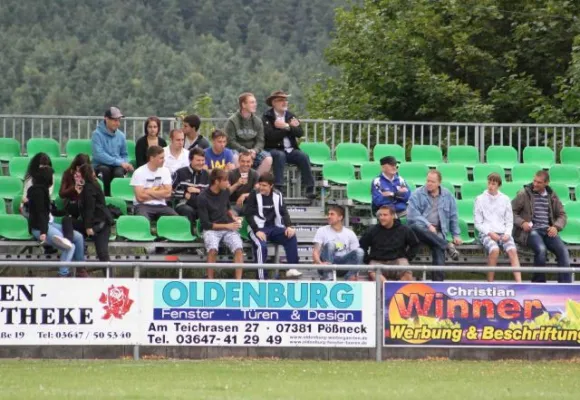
x: 188, y: 182
x: 390, y: 243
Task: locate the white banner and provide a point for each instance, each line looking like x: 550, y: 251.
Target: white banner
x: 45, y: 311
x: 258, y: 313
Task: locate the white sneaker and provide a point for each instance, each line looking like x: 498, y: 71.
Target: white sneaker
x: 62, y: 243
x: 293, y: 273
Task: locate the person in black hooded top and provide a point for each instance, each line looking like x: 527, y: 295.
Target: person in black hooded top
x: 41, y: 222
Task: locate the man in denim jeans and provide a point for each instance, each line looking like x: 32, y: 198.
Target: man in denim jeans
x: 432, y: 212
x: 336, y: 244
x: 538, y: 217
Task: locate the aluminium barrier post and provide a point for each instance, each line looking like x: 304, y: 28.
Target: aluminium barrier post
x: 136, y: 346
x: 379, y: 316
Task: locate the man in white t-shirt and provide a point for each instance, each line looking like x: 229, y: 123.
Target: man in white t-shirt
x: 336, y: 244
x: 175, y: 155
x: 152, y: 185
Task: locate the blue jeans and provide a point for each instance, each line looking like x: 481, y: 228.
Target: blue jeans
x: 540, y: 243
x: 279, y: 160
x: 75, y: 253
x: 438, y: 244
x: 328, y: 254
x: 274, y: 234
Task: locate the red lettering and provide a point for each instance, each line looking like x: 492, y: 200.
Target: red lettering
x: 414, y: 304
x: 489, y: 308
x: 509, y: 309
x: 529, y: 306
x: 463, y: 305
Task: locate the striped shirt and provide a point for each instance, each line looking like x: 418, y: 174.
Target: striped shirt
x: 540, y: 217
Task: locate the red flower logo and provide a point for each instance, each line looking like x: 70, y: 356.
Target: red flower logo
x: 117, y: 302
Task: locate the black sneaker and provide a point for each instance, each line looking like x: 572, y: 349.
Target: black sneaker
x: 310, y: 194
x: 452, y: 252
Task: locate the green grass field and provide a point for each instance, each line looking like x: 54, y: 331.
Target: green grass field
x: 280, y: 379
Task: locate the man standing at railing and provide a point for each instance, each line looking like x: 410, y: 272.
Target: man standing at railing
x: 389, y: 188
x: 538, y: 217
x: 432, y: 213
x: 110, y: 157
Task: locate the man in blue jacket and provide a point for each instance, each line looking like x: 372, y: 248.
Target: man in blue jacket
x: 110, y: 157
x: 432, y: 213
x: 390, y: 189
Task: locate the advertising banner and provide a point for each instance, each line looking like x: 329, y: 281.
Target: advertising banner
x: 481, y: 314
x: 45, y: 311
x: 258, y: 313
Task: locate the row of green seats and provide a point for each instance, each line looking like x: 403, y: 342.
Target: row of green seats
x: 504, y: 156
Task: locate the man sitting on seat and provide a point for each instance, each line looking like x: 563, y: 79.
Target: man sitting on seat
x: 269, y: 221
x: 389, y: 188
x: 218, y: 156
x: 390, y: 243
x: 218, y: 221
x: 193, y: 138
x: 152, y: 185
x: 188, y: 183
x: 242, y: 181
x: 175, y: 155
x: 493, y: 217
x: 336, y: 244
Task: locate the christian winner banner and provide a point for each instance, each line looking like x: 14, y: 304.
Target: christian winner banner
x: 45, y: 311
x: 481, y: 314
x: 258, y: 313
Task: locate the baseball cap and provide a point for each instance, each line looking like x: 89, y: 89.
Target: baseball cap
x: 389, y: 160
x: 114, y: 113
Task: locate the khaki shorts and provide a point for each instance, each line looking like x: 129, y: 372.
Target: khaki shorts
x: 393, y: 275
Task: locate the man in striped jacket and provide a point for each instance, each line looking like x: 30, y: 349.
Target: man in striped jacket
x: 269, y: 221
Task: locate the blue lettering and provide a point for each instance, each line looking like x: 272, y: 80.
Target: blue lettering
x: 213, y: 294
x: 339, y: 296
x: 194, y: 300
x: 168, y: 294
x: 250, y: 293
x: 317, y: 294
x: 292, y: 295
x: 233, y: 294
x: 276, y: 298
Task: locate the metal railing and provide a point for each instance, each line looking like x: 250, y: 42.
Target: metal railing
x: 333, y: 132
x: 378, y: 269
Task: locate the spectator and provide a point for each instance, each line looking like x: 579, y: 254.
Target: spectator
x: 246, y: 133
x: 175, y: 155
x: 96, y: 217
x: 390, y: 243
x: 70, y: 187
x: 188, y: 183
x: 193, y: 139
x: 218, y: 156
x: 281, y: 129
x: 41, y: 222
x: 389, y: 188
x: 39, y: 160
x: 432, y: 213
x: 242, y: 181
x: 110, y: 157
x: 218, y: 221
x: 269, y: 221
x: 538, y: 217
x: 152, y: 185
x: 336, y: 244
x: 494, y: 219
x: 151, y: 138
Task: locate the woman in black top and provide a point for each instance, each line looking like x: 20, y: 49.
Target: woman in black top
x: 70, y: 188
x: 151, y: 138
x: 96, y: 217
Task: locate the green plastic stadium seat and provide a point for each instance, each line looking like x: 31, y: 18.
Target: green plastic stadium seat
x: 511, y: 189
x: 56, y: 187
x: 464, y: 155
x: 60, y: 165
x: 572, y: 209
x: 359, y: 191
x: 566, y: 174
x: 318, y: 152
x: 415, y: 172
x: 78, y: 146
x: 175, y: 229
x: 135, y: 228
x: 524, y: 173
x: 562, y: 191
x: 16, y: 204
x: 465, y: 210
x: 18, y: 166
x: 449, y: 186
x: 121, y: 188
x: 2, y: 206
x: 370, y: 170
x: 455, y: 174
x: 481, y: 171
x: 14, y: 227
x: 539, y: 155
x: 427, y: 154
x: 577, y: 192
x: 131, y: 145
x: 464, y: 233
x: 570, y: 155
x: 505, y: 156
x: 355, y: 153
x: 470, y: 190
x: 571, y: 232
x: 43, y: 145
x: 340, y: 172
x: 117, y: 202
x: 10, y: 187
x: 9, y: 148
x: 394, y: 150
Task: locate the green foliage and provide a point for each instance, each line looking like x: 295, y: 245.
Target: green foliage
x: 448, y: 60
